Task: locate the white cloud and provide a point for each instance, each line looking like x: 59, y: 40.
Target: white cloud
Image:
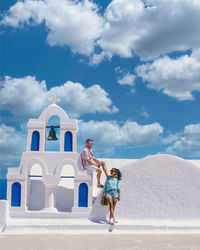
x: 150, y: 28
x: 26, y: 97
x: 188, y: 142
x: 109, y: 135
x: 127, y: 79
x: 75, y: 24
x: 142, y: 112
x: 177, y: 78
x: 12, y: 143
x: 170, y: 138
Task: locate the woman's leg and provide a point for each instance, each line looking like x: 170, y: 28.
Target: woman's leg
x: 110, y: 202
x: 114, y: 204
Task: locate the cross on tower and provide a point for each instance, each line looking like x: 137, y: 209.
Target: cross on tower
x: 53, y: 99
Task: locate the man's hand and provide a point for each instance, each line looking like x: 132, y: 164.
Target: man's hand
x: 96, y: 160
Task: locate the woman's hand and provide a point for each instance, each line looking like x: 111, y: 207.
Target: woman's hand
x: 119, y: 195
x: 103, y: 195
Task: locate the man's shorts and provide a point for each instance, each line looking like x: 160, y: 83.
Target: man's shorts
x: 91, y: 167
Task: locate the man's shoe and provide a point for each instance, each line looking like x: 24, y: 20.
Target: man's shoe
x: 100, y: 186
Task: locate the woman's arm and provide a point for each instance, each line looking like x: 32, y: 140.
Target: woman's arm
x: 105, y: 171
x: 119, y: 195
x: 118, y: 189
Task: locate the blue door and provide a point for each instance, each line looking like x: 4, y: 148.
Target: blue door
x: 83, y: 195
x: 16, y: 195
x: 35, y: 142
x: 68, y: 141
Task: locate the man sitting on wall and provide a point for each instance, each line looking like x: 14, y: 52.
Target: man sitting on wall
x: 89, y: 162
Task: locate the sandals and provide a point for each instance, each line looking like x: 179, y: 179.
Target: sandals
x: 100, y: 186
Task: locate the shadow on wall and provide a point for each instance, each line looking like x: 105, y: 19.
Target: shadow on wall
x: 64, y: 199
x: 37, y: 195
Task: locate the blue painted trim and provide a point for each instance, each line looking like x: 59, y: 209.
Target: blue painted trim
x: 68, y: 141
x: 83, y: 195
x: 35, y: 141
x: 3, y: 189
x: 61, y: 176
x: 16, y: 195
x: 67, y: 177
x: 34, y: 175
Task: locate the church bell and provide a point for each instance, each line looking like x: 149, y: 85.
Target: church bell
x: 52, y: 134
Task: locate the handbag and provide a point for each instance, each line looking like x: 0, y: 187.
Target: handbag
x: 104, y: 202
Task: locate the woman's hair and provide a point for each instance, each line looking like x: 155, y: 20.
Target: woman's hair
x: 118, y: 173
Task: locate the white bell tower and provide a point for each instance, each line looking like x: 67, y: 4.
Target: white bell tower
x: 51, y: 163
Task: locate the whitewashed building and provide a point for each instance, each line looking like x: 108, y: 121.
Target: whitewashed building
x: 29, y: 191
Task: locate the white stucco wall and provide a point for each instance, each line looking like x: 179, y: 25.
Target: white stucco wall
x: 110, y: 162
x: 159, y: 187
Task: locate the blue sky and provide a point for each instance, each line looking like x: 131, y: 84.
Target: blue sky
x: 128, y: 70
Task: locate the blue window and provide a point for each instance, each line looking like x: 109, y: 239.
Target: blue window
x: 68, y: 141
x: 3, y: 189
x: 16, y: 195
x: 35, y: 142
x: 83, y: 195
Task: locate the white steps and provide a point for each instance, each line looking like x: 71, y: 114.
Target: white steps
x: 69, y: 223
x: 50, y: 215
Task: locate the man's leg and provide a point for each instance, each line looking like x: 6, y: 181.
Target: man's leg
x: 99, y: 171
x: 103, y: 164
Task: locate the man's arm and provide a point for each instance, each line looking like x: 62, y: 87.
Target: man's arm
x: 97, y: 161
x: 92, y: 163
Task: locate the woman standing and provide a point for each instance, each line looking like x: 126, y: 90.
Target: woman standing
x: 112, y: 191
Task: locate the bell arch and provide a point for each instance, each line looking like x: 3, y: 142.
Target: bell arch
x: 52, y: 141
x: 53, y: 110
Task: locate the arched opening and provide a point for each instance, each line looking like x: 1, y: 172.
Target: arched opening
x: 65, y: 189
x: 35, y: 141
x: 83, y: 195
x: 68, y: 141
x: 16, y: 194
x: 53, y: 134
x: 36, y: 188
